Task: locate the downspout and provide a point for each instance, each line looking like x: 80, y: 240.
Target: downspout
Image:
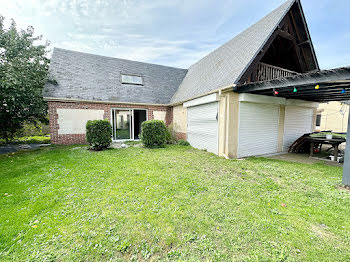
x: 222, y: 141
x: 226, y: 119
x: 346, y: 168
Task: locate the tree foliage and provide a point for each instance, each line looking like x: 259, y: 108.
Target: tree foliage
x: 23, y: 73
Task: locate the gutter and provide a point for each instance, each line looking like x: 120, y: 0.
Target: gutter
x: 219, y: 90
x: 74, y: 100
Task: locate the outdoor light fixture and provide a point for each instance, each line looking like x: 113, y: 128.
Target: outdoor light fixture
x: 317, y: 87
x: 295, y: 90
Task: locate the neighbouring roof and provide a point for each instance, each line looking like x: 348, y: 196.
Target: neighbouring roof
x: 224, y: 66
x: 98, y: 78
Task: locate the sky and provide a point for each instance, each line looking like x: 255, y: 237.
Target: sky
x: 171, y: 32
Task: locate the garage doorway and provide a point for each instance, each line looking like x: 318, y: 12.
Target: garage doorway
x: 258, y: 129
x: 126, y: 123
x: 202, y: 126
x: 298, y: 121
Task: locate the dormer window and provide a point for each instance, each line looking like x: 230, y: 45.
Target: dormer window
x: 132, y: 79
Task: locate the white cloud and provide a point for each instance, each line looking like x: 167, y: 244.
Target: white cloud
x: 171, y: 32
x: 137, y: 47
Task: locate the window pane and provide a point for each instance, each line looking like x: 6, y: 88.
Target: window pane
x: 130, y: 79
x: 123, y: 118
x: 318, y: 120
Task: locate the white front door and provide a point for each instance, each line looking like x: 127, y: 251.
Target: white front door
x: 202, y: 126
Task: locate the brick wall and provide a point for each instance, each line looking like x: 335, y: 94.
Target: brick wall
x: 180, y: 135
x: 67, y: 139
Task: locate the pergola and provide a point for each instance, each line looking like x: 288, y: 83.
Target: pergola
x: 321, y: 86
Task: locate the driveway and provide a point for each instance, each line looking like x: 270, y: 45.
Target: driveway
x: 5, y: 149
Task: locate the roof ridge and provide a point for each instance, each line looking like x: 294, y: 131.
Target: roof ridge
x: 117, y: 58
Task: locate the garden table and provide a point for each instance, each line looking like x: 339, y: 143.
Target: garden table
x: 335, y: 142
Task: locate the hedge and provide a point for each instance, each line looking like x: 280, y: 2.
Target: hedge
x: 99, y: 134
x: 28, y: 140
x: 183, y: 142
x: 153, y: 133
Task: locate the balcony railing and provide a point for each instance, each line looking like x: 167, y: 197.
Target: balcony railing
x: 267, y: 72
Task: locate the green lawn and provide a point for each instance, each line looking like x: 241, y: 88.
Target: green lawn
x: 173, y: 203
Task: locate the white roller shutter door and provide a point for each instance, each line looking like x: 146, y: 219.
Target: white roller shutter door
x: 258, y: 129
x: 202, y: 126
x: 298, y: 121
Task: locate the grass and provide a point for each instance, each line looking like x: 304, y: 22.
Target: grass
x: 168, y: 204
x: 29, y: 140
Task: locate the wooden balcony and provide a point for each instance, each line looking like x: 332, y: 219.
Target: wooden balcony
x: 267, y: 72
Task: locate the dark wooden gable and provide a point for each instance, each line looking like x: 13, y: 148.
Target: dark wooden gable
x: 288, y: 51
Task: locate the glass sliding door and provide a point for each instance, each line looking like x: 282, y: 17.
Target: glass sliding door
x: 139, y: 117
x: 126, y: 123
x: 122, y: 120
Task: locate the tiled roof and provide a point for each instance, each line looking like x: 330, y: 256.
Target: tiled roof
x: 98, y: 78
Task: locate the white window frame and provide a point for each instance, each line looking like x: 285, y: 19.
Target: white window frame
x: 131, y: 83
x: 131, y: 128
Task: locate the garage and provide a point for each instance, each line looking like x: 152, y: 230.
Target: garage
x: 202, y: 126
x: 258, y: 129
x: 298, y: 121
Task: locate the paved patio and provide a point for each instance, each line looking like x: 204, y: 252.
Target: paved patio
x: 10, y: 148
x: 302, y: 158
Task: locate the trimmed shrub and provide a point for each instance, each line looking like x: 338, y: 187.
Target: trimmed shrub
x: 153, y: 133
x: 170, y: 135
x: 29, y: 140
x: 98, y: 134
x: 182, y: 142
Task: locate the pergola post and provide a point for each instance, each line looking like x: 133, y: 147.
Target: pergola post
x: 346, y: 169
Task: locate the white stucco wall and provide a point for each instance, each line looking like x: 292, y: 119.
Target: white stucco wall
x: 334, y: 116
x: 180, y: 118
x: 159, y: 115
x: 73, y: 121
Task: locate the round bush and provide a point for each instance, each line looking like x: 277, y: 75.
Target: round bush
x: 153, y: 133
x: 98, y: 134
x: 182, y: 142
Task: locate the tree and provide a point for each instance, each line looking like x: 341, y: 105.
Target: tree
x: 23, y: 74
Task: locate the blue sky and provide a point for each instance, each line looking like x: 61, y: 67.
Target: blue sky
x: 172, y: 32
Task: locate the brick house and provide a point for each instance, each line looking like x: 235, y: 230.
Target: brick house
x: 96, y: 87
x: 201, y: 102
